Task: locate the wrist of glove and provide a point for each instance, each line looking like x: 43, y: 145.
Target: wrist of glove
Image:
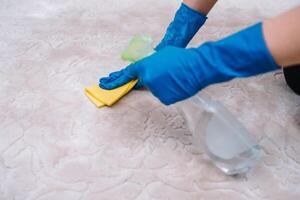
x: 174, y: 74
x: 182, y: 29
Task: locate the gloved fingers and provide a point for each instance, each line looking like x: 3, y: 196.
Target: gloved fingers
x: 131, y: 71
x: 112, y: 76
x: 105, y: 80
x: 117, y: 79
x: 114, y: 83
x: 115, y: 75
x: 109, y: 82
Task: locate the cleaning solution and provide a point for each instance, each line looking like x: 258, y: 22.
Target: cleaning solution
x: 225, y: 140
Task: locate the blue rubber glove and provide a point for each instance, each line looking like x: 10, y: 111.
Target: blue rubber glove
x: 182, y: 29
x: 174, y: 74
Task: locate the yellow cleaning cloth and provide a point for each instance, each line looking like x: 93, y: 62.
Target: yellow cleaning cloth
x: 101, y: 97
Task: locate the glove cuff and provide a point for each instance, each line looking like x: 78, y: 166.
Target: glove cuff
x: 182, y: 29
x: 242, y: 54
x: 190, y: 12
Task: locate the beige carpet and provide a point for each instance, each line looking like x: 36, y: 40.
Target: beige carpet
x: 54, y: 144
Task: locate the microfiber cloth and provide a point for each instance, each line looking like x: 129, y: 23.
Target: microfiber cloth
x: 101, y: 97
x: 138, y: 48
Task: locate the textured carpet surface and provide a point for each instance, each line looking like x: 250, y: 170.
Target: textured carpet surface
x: 54, y: 144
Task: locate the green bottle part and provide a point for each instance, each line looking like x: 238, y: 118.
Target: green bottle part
x: 140, y: 46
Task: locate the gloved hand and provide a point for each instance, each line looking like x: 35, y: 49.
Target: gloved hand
x: 174, y: 74
x: 182, y: 29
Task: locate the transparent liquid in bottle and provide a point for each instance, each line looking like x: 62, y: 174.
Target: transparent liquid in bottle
x: 225, y: 140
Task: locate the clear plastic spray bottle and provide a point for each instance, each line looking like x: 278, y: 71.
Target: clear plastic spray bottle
x: 225, y: 140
